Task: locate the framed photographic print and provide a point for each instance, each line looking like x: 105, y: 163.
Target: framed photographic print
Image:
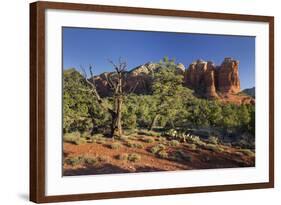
x: 128, y: 102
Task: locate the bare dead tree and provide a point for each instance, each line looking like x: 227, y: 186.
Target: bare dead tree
x: 116, y: 82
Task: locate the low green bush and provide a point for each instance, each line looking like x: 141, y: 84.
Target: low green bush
x: 81, y: 141
x: 134, y: 157
x: 115, y: 145
x: 73, y: 161
x: 71, y: 137
x: 174, y: 143
x: 213, y: 140
x: 180, y: 155
x: 162, y: 139
x: 157, y: 148
x: 149, y: 133
x: 123, y: 156
x: 214, y: 148
x: 77, y: 160
x: 134, y: 145
x: 90, y: 160
x: 98, y: 138
x: 247, y: 152
x: 103, y: 159
x: 148, y: 139
x: 191, y: 146
x: 163, y: 154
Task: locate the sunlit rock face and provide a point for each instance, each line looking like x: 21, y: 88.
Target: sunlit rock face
x: 208, y: 80
x: 228, y: 76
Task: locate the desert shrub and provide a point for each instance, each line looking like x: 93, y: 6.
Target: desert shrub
x: 98, y: 138
x: 247, y: 152
x: 228, y: 144
x: 148, y: 139
x: 195, y: 140
x: 134, y: 145
x: 134, y: 157
x: 73, y: 161
x: 179, y: 135
x: 213, y: 140
x: 81, y: 141
x: 77, y: 160
x: 162, y: 139
x: 90, y: 160
x: 214, y: 148
x: 171, y: 133
x: 129, y: 132
x: 103, y: 158
x: 174, y: 143
x: 122, y: 138
x: 163, y: 154
x: 115, y: 145
x: 123, y: 156
x: 71, y: 137
x: 149, y: 133
x: 132, y: 137
x: 180, y: 155
x: 191, y: 146
x: 157, y: 148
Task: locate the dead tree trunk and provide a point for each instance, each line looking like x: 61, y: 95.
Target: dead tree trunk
x: 153, y: 123
x: 116, y: 126
x: 115, y: 82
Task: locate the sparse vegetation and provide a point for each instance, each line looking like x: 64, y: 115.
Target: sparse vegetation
x: 213, y: 140
x: 81, y: 160
x: 115, y: 145
x: 180, y: 155
x: 148, y: 139
x: 247, y: 152
x: 71, y: 137
x: 191, y: 146
x: 134, y: 144
x: 162, y: 139
x: 134, y: 157
x: 157, y: 148
x: 214, y: 148
x: 123, y: 156
x: 174, y: 143
x: 149, y: 133
x: 163, y: 154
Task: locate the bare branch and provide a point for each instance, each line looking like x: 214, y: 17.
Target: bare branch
x: 111, y: 84
x: 114, y: 65
x: 134, y: 88
x: 94, y: 89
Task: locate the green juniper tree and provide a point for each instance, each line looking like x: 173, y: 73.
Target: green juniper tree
x: 167, y: 86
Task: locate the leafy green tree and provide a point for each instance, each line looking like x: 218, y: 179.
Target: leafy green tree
x: 81, y: 112
x: 167, y: 85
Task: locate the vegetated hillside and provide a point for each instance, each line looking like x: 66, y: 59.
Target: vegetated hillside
x: 177, y: 115
x: 250, y: 91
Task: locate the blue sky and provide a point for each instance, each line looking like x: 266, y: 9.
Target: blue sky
x: 84, y: 46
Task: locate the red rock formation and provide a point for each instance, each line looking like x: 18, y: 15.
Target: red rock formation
x: 208, y: 80
x: 228, y: 77
x: 200, y: 76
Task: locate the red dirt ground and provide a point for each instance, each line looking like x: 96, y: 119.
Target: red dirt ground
x: 109, y: 163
